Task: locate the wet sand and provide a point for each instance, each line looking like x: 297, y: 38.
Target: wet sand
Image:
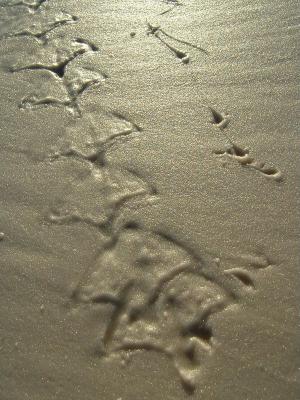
x: 149, y: 217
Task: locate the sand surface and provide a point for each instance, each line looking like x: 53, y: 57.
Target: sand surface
x: 149, y: 200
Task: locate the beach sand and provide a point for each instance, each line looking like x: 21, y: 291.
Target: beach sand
x: 149, y: 207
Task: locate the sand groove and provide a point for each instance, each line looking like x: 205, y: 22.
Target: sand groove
x: 39, y: 26
x: 75, y: 80
x: 163, y: 296
x: 161, y: 35
x: 33, y: 5
x: 241, y: 155
x: 172, y: 3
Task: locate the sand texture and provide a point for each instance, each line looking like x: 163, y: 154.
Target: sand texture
x: 149, y: 200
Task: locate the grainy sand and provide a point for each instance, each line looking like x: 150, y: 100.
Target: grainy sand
x: 149, y: 216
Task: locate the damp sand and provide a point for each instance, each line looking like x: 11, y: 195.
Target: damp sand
x: 149, y: 219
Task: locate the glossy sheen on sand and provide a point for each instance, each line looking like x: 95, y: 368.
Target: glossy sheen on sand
x: 148, y: 213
